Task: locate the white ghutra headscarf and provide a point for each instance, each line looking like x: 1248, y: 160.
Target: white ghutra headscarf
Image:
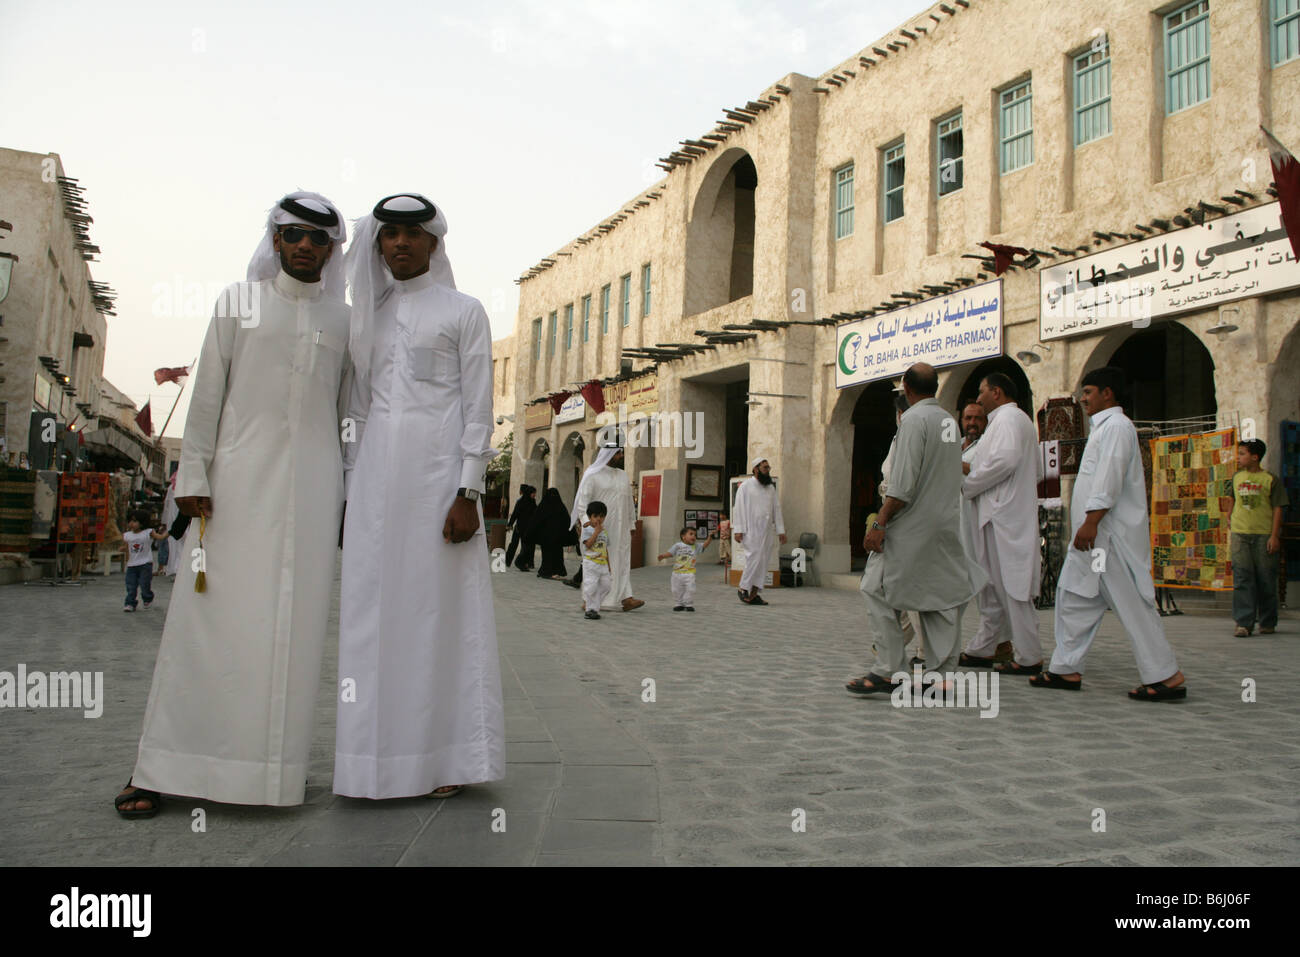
x: 315, y: 212
x: 369, y: 277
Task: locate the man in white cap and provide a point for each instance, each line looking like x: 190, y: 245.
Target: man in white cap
x: 230, y: 712
x: 605, y: 481
x: 420, y: 708
x: 756, y: 514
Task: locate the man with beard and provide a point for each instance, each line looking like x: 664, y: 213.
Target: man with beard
x: 417, y: 634
x: 605, y: 481
x: 234, y: 692
x: 756, y: 514
x: 1002, y: 489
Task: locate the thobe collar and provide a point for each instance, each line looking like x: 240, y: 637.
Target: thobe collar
x: 1103, y: 415
x: 292, y: 288
x: 1004, y: 405
x: 418, y: 284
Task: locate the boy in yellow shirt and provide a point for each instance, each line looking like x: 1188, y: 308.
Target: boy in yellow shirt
x: 1256, y: 525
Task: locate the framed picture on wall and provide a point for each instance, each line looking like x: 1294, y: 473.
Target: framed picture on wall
x: 703, y: 482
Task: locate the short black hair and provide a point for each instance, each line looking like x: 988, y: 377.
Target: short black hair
x: 1254, y: 447
x: 924, y: 384
x: 1000, y: 380
x: 685, y: 529
x: 1108, y: 377
x: 900, y: 402
x: 596, y: 508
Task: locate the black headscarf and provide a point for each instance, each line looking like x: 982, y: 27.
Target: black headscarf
x: 551, y: 523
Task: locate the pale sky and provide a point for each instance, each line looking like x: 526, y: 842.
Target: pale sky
x: 528, y: 123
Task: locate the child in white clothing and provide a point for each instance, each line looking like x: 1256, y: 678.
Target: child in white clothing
x: 596, y: 579
x: 684, y: 554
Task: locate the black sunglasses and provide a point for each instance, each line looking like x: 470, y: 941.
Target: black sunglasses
x: 293, y: 235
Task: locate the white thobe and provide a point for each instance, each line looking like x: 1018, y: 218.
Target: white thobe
x: 967, y: 513
x: 169, y: 515
x: 1002, y: 492
x: 611, y: 486
x: 923, y: 566
x: 420, y: 703
x: 1116, y: 573
x: 234, y: 691
x: 757, y: 517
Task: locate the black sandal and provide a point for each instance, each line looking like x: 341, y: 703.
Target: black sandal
x: 1010, y: 668
x: 871, y: 684
x: 137, y: 794
x: 1162, y: 692
x: 1049, y: 680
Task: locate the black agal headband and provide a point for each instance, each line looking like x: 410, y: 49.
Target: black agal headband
x: 404, y: 208
x: 329, y: 218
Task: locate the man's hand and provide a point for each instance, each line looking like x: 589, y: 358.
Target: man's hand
x: 782, y: 538
x: 462, y: 521
x: 1086, y: 536
x: 195, y: 506
x: 874, y: 540
x: 965, y: 468
x: 1273, y: 544
x: 738, y: 536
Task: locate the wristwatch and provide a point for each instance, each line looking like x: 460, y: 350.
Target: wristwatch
x: 878, y: 525
x: 469, y: 493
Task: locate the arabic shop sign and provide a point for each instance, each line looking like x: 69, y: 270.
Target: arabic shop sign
x: 1229, y: 258
x: 574, y: 408
x: 944, y: 331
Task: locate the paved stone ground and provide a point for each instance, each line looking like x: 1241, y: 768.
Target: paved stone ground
x: 750, y: 722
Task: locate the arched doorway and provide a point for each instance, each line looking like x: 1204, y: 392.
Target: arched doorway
x: 720, y: 235
x: 874, y: 426
x: 1170, y: 373
x: 537, y: 471
x: 568, y: 466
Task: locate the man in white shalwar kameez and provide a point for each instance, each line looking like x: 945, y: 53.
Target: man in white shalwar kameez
x: 1109, y: 565
x: 1001, y: 486
x: 420, y: 708
x: 916, y: 561
x: 605, y: 481
x: 234, y: 692
x: 756, y: 514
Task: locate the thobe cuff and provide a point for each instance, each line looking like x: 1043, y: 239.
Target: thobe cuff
x: 471, y: 474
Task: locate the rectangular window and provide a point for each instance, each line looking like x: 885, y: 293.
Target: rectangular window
x: 645, y: 290
x: 1092, y: 94
x: 627, y: 298
x: 950, y: 153
x: 586, y: 317
x: 844, y: 201
x: 551, y: 326
x: 1016, y: 109
x: 568, y: 327
x: 1187, y: 56
x: 1286, y: 30
x: 537, y: 339
x: 604, y: 309
x: 894, y: 183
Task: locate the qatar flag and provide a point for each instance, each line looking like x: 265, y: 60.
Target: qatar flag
x: 1286, y: 174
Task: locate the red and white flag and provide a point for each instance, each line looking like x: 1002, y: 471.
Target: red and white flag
x: 170, y: 375
x: 145, y: 420
x: 1286, y: 174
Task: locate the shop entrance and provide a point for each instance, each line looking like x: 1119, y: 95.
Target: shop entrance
x: 873, y: 429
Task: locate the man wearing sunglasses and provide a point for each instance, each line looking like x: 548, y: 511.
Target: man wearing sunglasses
x: 417, y: 635
x: 230, y: 711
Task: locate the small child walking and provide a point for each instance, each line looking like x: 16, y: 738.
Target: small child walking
x: 139, y: 559
x: 684, y: 554
x: 596, y: 580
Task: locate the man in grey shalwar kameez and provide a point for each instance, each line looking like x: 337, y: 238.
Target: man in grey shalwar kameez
x: 916, y: 561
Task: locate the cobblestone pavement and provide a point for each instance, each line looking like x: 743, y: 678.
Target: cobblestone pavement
x: 749, y: 725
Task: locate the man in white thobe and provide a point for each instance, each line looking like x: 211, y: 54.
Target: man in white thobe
x: 756, y: 514
x: 234, y: 692
x: 605, y: 481
x: 1001, y: 486
x: 916, y: 561
x: 974, y: 420
x: 1109, y: 565
x: 420, y: 708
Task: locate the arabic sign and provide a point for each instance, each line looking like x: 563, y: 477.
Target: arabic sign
x: 639, y: 395
x: 537, y: 416
x: 959, y: 327
x: 1246, y: 254
x: 574, y: 408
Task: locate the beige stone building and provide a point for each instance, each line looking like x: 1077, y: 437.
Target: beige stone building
x: 1093, y: 134
x: 54, y: 326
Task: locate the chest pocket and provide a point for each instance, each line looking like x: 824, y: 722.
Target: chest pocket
x: 436, y: 359
x: 326, y: 350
